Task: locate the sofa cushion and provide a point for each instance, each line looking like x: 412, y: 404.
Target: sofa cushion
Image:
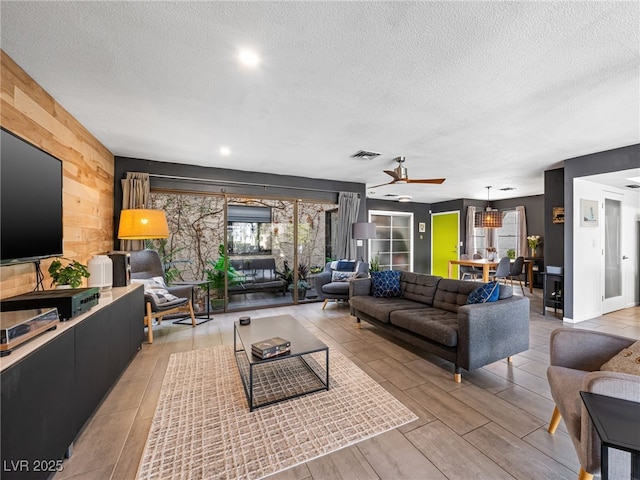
x: 486, y: 293
x: 432, y: 323
x: 381, y: 308
x: 625, y: 361
x: 338, y: 276
x: 386, y: 284
x: 341, y: 288
x: 419, y: 287
x: 506, y: 291
x: 452, y: 294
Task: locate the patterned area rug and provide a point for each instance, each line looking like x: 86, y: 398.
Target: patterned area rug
x: 202, y: 428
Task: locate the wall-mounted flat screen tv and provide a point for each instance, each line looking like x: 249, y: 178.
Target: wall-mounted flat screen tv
x: 31, y: 202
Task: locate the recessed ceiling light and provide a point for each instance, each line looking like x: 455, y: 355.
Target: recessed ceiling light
x: 249, y: 58
x: 404, y: 198
x: 225, y: 151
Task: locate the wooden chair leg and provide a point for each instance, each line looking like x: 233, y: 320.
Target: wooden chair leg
x: 193, y: 316
x: 555, y: 421
x: 584, y: 475
x: 148, y: 320
x: 325, y: 303
x: 509, y: 359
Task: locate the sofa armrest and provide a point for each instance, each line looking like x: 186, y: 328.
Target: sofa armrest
x: 359, y: 286
x: 584, y: 349
x: 322, y: 279
x: 183, y: 291
x: 488, y: 332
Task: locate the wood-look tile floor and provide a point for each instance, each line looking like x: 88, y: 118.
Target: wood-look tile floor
x: 491, y: 426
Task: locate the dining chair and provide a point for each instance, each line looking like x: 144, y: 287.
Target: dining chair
x: 516, y: 271
x: 502, y: 271
x: 466, y: 270
x: 477, y: 256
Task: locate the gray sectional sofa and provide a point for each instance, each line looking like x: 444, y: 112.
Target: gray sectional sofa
x: 432, y: 314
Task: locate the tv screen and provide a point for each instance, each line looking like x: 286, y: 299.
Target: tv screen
x: 31, y: 202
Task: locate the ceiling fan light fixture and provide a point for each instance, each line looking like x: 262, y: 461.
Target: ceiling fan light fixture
x: 404, y: 198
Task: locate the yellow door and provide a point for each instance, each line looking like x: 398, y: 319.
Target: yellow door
x: 445, y: 238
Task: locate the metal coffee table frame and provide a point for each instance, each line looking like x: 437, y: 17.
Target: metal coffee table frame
x: 303, y: 344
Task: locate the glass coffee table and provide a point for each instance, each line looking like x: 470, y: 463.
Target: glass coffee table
x: 304, y: 370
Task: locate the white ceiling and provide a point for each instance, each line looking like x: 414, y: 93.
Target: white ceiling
x: 482, y: 93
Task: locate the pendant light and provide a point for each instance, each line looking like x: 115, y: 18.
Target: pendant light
x: 488, y: 218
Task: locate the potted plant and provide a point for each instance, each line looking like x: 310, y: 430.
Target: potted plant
x: 374, y: 264
x: 511, y: 253
x: 67, y: 276
x: 302, y: 286
x: 217, y: 272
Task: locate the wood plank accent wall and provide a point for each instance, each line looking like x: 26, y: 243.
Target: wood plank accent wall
x: 30, y: 112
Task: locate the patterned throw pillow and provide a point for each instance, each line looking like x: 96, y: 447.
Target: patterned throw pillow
x: 626, y: 361
x: 342, y: 276
x: 386, y: 284
x: 345, y: 265
x: 488, y: 292
x: 156, y: 290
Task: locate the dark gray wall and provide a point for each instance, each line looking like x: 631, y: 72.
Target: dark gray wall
x: 553, y: 245
x: 421, y: 241
x: 623, y: 158
x: 533, y: 209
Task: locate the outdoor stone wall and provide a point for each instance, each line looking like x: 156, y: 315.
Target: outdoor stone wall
x: 196, y: 225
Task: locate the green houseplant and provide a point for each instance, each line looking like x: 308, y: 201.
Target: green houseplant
x: 218, y: 271
x: 70, y: 274
x: 511, y: 253
x: 374, y: 264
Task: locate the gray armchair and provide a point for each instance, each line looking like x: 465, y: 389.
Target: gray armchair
x: 576, y: 357
x: 330, y: 290
x: 146, y: 265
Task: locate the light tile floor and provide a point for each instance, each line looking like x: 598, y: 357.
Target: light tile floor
x: 491, y: 426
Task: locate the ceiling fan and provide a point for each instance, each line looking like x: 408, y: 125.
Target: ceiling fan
x: 399, y: 175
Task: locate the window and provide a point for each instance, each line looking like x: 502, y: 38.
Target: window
x: 394, y: 242
x: 507, y: 236
x: 503, y: 239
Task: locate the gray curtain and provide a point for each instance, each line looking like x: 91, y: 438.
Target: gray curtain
x: 136, y: 191
x: 522, y: 233
x: 348, y: 206
x: 470, y: 244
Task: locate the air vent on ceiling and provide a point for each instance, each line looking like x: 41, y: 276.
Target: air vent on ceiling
x: 390, y: 195
x: 507, y: 189
x: 633, y: 185
x: 365, y: 154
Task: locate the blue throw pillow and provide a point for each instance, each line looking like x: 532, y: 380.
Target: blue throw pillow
x: 345, y: 266
x: 488, y: 292
x: 386, y: 284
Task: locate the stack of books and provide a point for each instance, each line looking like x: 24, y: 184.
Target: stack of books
x: 271, y: 347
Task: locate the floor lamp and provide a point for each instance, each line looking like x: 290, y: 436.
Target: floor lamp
x: 142, y: 224
x: 363, y: 231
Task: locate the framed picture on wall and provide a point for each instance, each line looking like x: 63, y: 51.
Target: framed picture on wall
x: 422, y: 227
x: 558, y: 214
x: 588, y: 213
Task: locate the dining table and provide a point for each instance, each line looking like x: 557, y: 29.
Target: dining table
x: 487, y: 265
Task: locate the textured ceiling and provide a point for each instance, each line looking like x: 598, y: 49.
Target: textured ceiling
x: 482, y: 93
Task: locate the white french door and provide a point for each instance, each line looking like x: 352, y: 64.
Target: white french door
x: 613, y: 287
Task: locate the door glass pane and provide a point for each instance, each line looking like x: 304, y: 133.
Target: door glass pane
x: 312, y: 251
x: 196, y: 231
x: 394, y: 242
x: 612, y: 253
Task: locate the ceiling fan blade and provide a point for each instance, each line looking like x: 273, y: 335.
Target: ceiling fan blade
x: 393, y: 174
x: 383, y: 184
x: 427, y: 180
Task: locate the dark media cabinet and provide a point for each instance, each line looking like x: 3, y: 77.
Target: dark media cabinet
x: 51, y: 385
